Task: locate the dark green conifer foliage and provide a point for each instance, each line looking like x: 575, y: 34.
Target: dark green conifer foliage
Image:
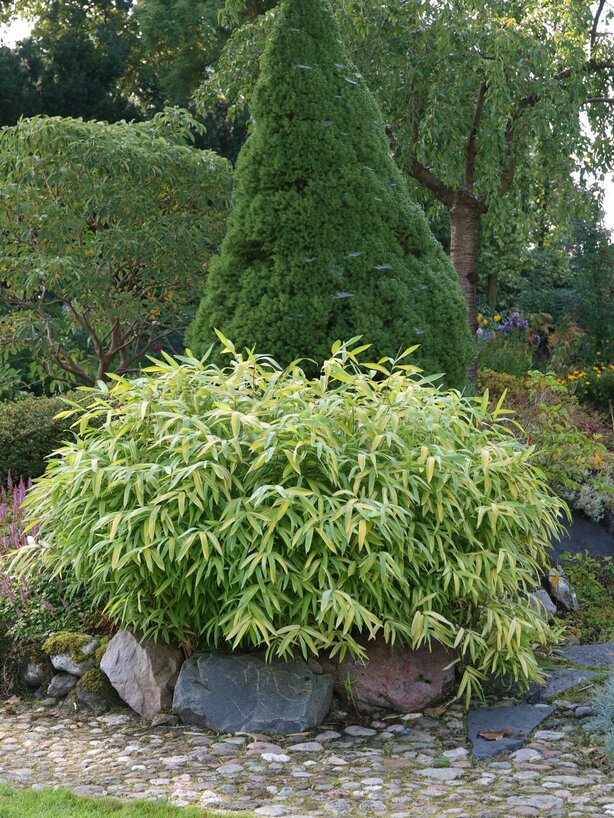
x: 324, y: 242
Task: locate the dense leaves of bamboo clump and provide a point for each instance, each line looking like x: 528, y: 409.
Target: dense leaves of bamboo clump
x: 253, y: 507
x: 324, y: 241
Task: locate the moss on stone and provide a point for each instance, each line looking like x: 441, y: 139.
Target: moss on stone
x: 100, y: 652
x: 68, y: 643
x: 95, y: 681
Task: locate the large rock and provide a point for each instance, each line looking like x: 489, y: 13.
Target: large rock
x: 396, y: 678
x: 541, y: 602
x: 95, y: 692
x: 142, y: 672
x: 71, y: 652
x: 241, y: 692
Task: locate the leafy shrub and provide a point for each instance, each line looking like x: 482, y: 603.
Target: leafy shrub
x: 32, y: 607
x: 29, y: 432
x: 568, y: 438
x: 509, y: 354
x: 595, y: 384
x: 250, y: 506
x: 593, y: 581
x: 602, y: 701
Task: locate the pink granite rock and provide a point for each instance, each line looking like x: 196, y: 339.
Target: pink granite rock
x: 396, y: 678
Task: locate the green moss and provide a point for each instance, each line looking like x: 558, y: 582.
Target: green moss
x: 68, y: 643
x: 325, y: 242
x: 95, y: 681
x: 100, y: 652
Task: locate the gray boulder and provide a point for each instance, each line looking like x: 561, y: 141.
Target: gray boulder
x: 231, y: 693
x: 61, y: 685
x: 79, y: 659
x: 37, y: 673
x: 541, y: 602
x: 142, y: 672
x: 560, y: 589
x: 95, y: 692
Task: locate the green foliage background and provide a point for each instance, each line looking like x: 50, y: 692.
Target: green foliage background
x: 324, y: 241
x: 29, y: 432
x: 106, y: 232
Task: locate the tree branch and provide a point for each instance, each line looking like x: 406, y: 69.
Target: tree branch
x: 600, y: 100
x: 471, y: 149
x: 431, y: 182
x: 595, y: 25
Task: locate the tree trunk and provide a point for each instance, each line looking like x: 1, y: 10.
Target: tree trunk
x: 464, y: 249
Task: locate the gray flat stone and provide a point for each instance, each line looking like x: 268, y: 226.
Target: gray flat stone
x: 539, y: 802
x: 521, y: 719
x: 591, y: 655
x: 558, y: 682
x: 441, y: 773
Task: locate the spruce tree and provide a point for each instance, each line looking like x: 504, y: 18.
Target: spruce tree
x: 324, y: 241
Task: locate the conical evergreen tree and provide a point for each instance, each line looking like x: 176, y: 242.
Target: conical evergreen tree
x: 324, y: 242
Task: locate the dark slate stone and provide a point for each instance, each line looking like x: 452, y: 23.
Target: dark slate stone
x: 558, y: 682
x: 521, y: 719
x: 582, y: 535
x: 232, y: 693
x: 591, y: 655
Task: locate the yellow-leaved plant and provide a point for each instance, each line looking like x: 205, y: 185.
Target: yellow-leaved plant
x: 249, y: 506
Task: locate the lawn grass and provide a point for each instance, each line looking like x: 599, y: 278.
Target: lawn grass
x: 26, y: 803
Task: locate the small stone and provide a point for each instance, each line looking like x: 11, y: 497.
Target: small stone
x: 441, y: 773
x: 258, y: 747
x: 567, y: 780
x: 335, y: 761
x: 88, y: 791
x: 306, y: 747
x: 272, y: 811
x: 357, y: 731
x: 61, y: 685
x: 583, y: 711
x: 278, y: 758
x: 230, y: 769
x: 548, y: 735
x: 327, y: 735
x: 539, y: 802
x: 456, y: 754
x: 522, y: 756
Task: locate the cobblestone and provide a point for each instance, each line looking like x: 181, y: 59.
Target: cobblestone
x: 415, y: 768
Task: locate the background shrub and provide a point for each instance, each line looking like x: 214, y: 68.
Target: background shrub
x: 593, y: 581
x: 571, y: 441
x: 29, y: 432
x: 249, y: 506
x: 324, y: 240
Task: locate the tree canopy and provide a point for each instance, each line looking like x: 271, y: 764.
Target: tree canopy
x: 105, y: 234
x: 472, y: 93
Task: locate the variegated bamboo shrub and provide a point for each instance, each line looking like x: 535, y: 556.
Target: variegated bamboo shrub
x: 249, y: 506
